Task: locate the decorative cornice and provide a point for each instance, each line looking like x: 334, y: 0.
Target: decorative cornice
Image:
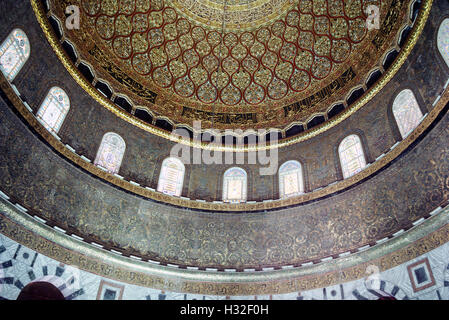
x: 22, y: 228
x: 215, y: 206
x: 370, y: 170
x: 88, y: 87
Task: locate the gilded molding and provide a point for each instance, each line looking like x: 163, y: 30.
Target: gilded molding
x: 241, y: 207
x: 253, y: 6
x: 403, y: 54
x: 22, y: 228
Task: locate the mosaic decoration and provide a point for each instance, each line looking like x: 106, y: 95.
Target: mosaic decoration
x: 236, y: 14
x: 352, y: 158
x: 406, y: 112
x: 14, y: 52
x: 87, y: 282
x: 195, y: 58
x: 54, y: 109
x: 443, y: 40
x: 338, y: 223
x: 291, y: 180
x: 230, y: 246
x: 171, y: 178
x: 110, y: 153
x: 121, y: 76
x: 247, y: 206
x: 235, y: 68
x: 321, y: 95
x: 76, y: 284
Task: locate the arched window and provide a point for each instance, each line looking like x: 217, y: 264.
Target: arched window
x: 406, y: 112
x: 291, y: 180
x: 443, y: 40
x: 171, y: 178
x: 352, y: 158
x: 53, y: 110
x: 110, y: 153
x: 14, y: 52
x: 234, y: 185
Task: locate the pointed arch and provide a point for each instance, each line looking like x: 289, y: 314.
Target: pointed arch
x: 291, y: 179
x: 110, y: 153
x: 235, y: 181
x: 352, y: 157
x: 54, y: 109
x: 14, y: 52
x: 171, y: 178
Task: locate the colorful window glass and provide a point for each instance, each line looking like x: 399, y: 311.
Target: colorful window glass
x: 54, y: 109
x: 14, y: 52
x: 443, y: 40
x: 352, y: 158
x: 171, y: 178
x: 406, y: 112
x: 110, y: 153
x: 234, y: 185
x: 291, y: 181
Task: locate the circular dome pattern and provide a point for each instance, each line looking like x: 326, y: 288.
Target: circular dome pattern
x: 232, y: 68
x: 314, y: 231
x: 180, y: 66
x: 237, y: 14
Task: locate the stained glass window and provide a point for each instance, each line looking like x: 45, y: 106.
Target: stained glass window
x: 443, y: 40
x: 171, y: 178
x: 54, y: 109
x: 110, y: 153
x: 234, y: 185
x: 291, y: 181
x: 14, y: 52
x: 352, y: 158
x: 406, y: 112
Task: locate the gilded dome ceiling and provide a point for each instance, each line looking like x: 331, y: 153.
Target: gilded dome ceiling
x: 235, y: 64
x: 57, y: 198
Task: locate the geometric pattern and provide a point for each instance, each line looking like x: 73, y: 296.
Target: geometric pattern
x: 235, y: 67
x: 20, y: 266
x: 421, y: 275
x: 110, y: 291
x: 380, y: 289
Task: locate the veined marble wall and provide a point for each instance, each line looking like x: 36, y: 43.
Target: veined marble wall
x: 423, y: 278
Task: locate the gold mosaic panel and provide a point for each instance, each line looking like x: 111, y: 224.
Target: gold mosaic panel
x: 268, y: 75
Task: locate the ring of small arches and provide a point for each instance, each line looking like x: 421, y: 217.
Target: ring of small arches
x: 15, y: 51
